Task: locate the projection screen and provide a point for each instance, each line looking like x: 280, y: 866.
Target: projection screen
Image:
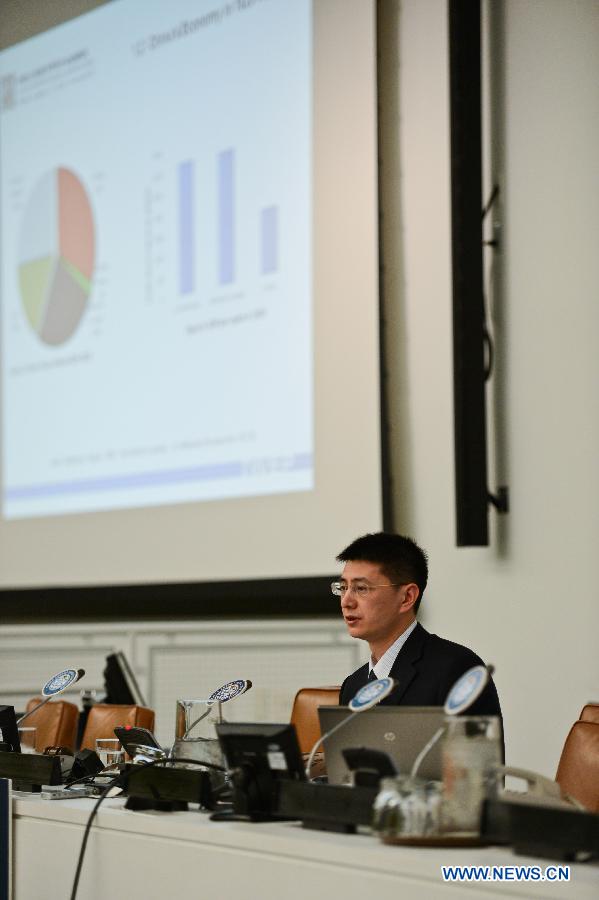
x: 189, y: 281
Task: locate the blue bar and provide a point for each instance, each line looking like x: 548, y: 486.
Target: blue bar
x: 270, y: 239
x: 191, y: 474
x: 186, y: 223
x: 226, y: 197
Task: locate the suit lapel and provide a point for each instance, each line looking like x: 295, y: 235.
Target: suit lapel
x: 361, y: 678
x: 405, y: 667
x: 353, y: 683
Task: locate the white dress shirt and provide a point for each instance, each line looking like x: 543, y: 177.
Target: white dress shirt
x: 385, y: 663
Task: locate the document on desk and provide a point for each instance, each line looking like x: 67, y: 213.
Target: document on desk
x: 5, y: 838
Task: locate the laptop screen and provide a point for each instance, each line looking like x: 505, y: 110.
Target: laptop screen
x: 399, y: 731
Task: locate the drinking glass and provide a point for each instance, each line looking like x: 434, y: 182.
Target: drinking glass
x: 471, y: 749
x: 110, y: 751
x: 406, y: 807
x: 27, y: 737
x: 195, y: 734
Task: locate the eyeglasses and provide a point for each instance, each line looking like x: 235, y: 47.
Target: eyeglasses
x: 339, y: 588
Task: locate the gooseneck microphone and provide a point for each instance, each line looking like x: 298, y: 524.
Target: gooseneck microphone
x: 223, y: 694
x: 55, y: 686
x: 367, y: 697
x: 461, y: 696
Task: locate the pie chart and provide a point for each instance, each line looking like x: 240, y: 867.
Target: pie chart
x: 56, y: 256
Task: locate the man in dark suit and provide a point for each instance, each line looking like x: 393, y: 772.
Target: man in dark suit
x: 381, y: 587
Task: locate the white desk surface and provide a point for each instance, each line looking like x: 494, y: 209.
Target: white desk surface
x: 155, y: 855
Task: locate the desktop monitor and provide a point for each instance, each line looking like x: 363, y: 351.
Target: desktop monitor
x: 258, y: 757
x: 9, y: 732
x: 120, y: 683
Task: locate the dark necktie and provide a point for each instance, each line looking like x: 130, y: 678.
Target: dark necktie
x: 372, y: 675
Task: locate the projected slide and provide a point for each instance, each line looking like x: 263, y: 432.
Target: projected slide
x: 57, y: 255
x: 156, y: 257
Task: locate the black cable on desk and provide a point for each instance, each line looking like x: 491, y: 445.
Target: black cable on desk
x: 102, y: 797
x: 115, y: 783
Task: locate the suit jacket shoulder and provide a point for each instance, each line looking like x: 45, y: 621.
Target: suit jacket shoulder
x: 426, y: 668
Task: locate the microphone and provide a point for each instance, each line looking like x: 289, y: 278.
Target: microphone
x: 228, y: 691
x: 367, y: 697
x: 55, y: 686
x: 461, y: 696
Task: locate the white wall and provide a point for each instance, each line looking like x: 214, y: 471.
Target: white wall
x: 185, y: 660
x: 528, y: 602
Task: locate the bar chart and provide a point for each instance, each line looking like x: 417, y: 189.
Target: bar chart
x: 221, y: 221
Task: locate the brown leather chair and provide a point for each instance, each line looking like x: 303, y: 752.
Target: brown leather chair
x: 578, y: 769
x: 56, y: 723
x: 304, y: 714
x: 590, y: 713
x: 103, y: 718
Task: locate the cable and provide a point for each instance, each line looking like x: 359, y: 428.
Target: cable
x: 488, y: 341
x: 86, y: 779
x: 115, y: 783
x: 101, y: 798
x: 492, y: 198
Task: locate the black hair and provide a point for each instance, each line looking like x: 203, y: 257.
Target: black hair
x: 400, y: 558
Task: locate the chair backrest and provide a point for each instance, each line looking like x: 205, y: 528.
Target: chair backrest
x: 304, y: 714
x: 56, y: 723
x: 590, y: 713
x: 103, y: 718
x: 578, y: 769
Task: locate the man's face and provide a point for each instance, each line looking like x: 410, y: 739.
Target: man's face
x: 374, y: 617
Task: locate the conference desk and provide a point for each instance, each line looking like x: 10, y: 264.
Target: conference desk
x: 163, y: 856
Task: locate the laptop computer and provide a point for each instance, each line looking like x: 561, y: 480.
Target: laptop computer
x: 399, y: 731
